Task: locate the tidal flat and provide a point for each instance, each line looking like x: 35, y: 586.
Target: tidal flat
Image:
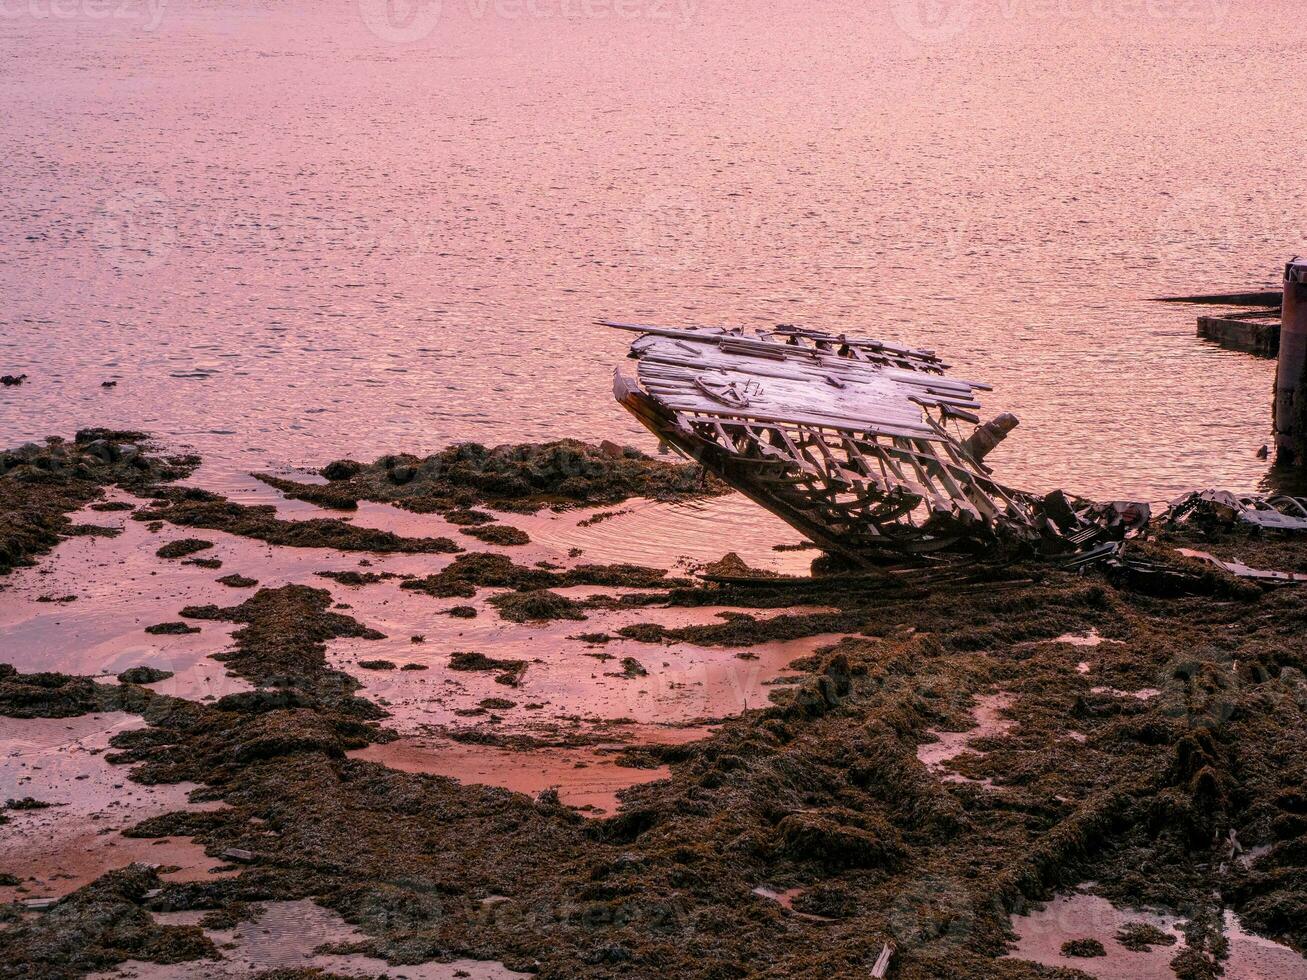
x: 541, y: 753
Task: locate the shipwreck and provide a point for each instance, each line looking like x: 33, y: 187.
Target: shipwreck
x: 856, y: 443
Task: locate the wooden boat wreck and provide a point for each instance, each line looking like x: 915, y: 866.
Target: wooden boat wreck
x: 853, y: 442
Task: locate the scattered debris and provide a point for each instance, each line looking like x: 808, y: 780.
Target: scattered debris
x: 1240, y: 570
x: 881, y: 967
x: 1272, y: 513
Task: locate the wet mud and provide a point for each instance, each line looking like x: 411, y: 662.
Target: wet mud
x: 924, y: 764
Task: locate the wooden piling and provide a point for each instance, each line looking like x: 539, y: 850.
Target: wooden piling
x: 1291, y: 376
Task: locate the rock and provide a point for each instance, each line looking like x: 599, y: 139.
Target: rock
x: 11, y: 379
x: 376, y: 665
x: 341, y: 469
x: 101, y: 449
x: 238, y: 854
x: 612, y: 450
x: 38, y: 904
x: 147, y: 675
x: 108, y: 384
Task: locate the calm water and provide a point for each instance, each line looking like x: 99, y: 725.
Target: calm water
x: 295, y: 231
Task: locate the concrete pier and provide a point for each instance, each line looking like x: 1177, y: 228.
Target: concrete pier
x: 1254, y: 333
x: 1291, y: 376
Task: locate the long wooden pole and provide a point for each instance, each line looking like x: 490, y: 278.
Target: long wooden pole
x: 1291, y: 376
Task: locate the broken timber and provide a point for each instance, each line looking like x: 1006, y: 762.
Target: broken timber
x: 845, y: 439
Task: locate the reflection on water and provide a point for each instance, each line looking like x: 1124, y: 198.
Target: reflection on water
x: 294, y: 232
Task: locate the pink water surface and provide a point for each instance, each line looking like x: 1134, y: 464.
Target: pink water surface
x: 298, y: 231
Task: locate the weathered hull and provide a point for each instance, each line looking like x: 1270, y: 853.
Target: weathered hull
x: 845, y: 443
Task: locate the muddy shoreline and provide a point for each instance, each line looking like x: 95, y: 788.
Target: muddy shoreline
x: 903, y: 762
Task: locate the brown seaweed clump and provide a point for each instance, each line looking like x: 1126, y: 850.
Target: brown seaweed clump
x: 41, y: 484
x: 283, y: 644
x: 522, y: 478
x: 467, y: 573
x: 500, y: 534
x: 1083, y: 948
x: 195, y: 508
x: 96, y: 928
x: 183, y: 547
x: 536, y: 606
x: 510, y: 671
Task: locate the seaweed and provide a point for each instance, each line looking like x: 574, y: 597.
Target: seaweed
x: 821, y: 788
x: 500, y: 534
x: 469, y: 572
x: 212, y: 512
x: 95, y: 928
x: 522, y: 478
x: 144, y: 675
x: 536, y: 606
x: 183, y: 547
x: 41, y: 484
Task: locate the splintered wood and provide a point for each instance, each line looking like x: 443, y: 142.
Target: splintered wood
x: 846, y: 439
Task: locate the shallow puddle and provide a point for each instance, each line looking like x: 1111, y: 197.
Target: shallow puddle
x: 284, y: 937
x: 1042, y: 932
x: 587, y: 778
x: 949, y: 745
x: 59, y: 848
x: 565, y: 676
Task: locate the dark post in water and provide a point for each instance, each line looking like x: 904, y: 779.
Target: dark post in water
x: 1291, y: 378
